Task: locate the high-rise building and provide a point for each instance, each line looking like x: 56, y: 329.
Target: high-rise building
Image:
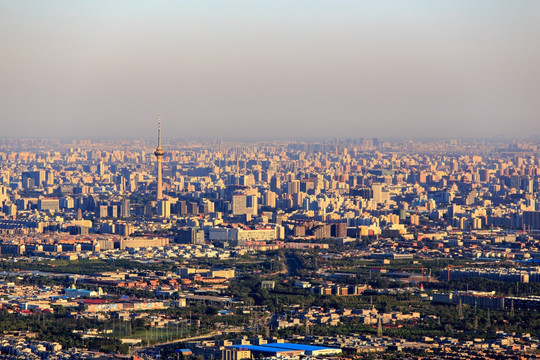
x: 379, y: 195
x: 103, y: 211
x: 33, y: 178
x: 531, y: 219
x: 3, y: 194
x: 164, y: 208
x: 181, y: 208
x: 126, y: 208
x: 193, y: 208
x: 190, y: 235
x: 269, y: 199
x: 293, y: 187
x: 159, y: 158
x: 484, y: 175
x: 49, y: 204
x: 243, y: 204
x: 275, y: 184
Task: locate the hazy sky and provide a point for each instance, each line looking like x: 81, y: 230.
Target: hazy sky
x: 269, y: 69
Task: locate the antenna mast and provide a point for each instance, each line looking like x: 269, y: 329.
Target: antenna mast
x: 159, y: 130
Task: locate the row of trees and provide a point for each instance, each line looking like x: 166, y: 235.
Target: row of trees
x: 58, y: 327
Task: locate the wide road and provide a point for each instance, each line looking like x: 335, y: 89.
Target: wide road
x: 292, y: 264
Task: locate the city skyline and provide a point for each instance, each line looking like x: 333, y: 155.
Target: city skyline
x: 334, y: 180
x: 288, y: 71
x: 396, y: 242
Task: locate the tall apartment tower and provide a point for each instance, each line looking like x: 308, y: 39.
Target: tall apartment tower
x: 159, y: 158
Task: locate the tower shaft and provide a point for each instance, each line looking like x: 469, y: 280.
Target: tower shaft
x: 159, y: 179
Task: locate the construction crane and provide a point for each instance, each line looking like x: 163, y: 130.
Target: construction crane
x: 448, y: 267
x: 418, y: 268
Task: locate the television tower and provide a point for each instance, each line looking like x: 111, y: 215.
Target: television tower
x: 159, y: 158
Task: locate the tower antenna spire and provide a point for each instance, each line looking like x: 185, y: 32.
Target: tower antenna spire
x: 159, y: 130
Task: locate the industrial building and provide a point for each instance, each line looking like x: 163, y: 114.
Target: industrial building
x: 287, y: 349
